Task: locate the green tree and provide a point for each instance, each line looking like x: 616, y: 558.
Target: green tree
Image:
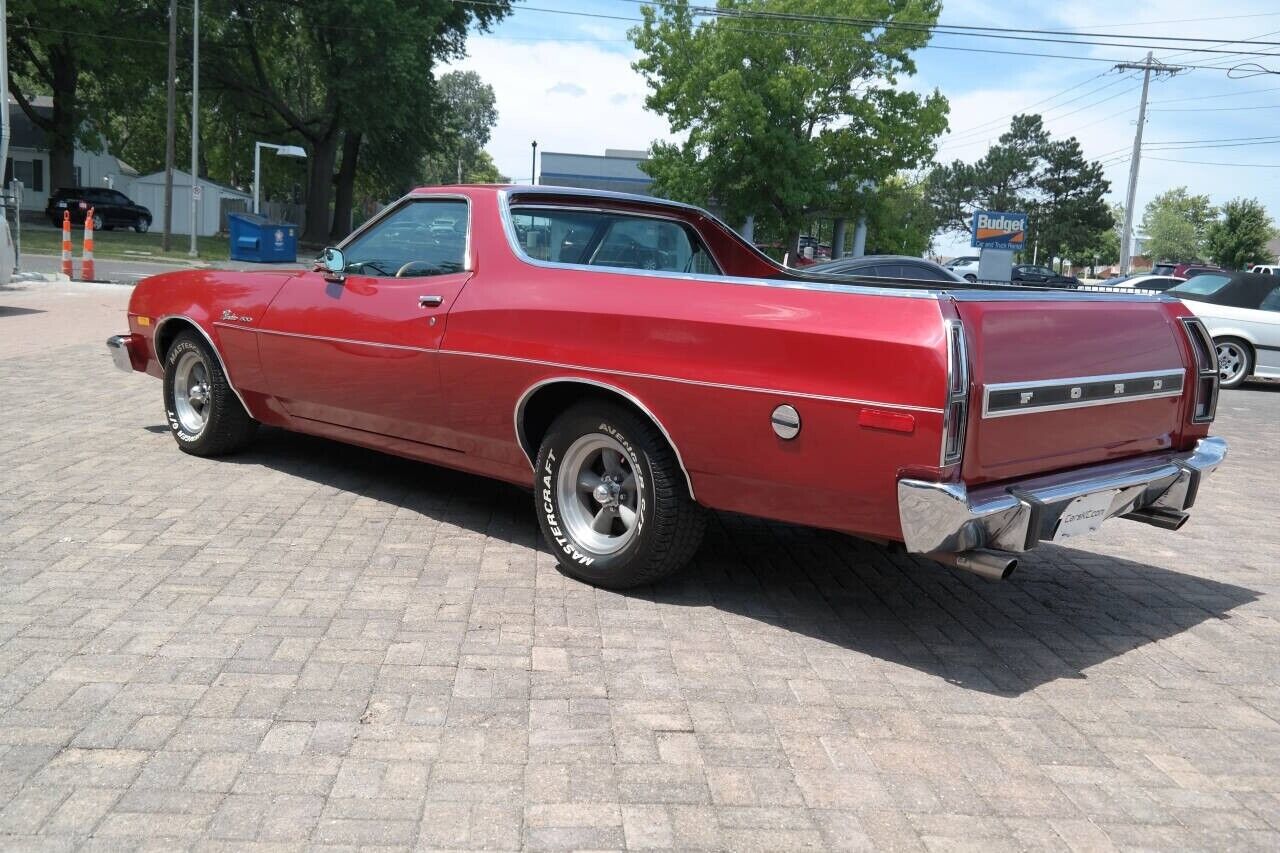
x: 1027, y: 171
x: 1240, y: 237
x: 1176, y: 225
x: 84, y: 76
x: 470, y: 114
x: 350, y: 80
x: 785, y: 120
x: 900, y: 220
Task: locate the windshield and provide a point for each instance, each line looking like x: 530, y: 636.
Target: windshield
x: 1205, y: 284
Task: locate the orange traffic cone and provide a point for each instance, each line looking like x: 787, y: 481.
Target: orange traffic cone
x: 66, y: 243
x: 86, y: 264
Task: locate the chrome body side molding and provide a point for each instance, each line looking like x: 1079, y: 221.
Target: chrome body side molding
x: 1003, y: 399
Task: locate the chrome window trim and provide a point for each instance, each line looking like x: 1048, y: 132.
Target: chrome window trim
x: 517, y: 207
x: 217, y: 354
x: 604, y: 370
x: 513, y: 242
x: 518, y: 414
x: 1080, y: 380
x: 412, y: 198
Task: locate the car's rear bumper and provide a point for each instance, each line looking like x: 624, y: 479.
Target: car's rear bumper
x: 948, y: 518
x: 126, y: 351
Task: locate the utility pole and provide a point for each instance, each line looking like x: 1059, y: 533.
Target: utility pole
x: 195, y: 120
x: 533, y: 170
x: 169, y: 129
x: 1151, y: 64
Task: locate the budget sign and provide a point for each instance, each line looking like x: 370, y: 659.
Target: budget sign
x: 995, y: 230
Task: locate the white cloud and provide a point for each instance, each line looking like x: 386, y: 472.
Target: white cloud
x: 530, y: 81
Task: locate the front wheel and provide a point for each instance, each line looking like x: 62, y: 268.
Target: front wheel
x: 204, y: 414
x: 141, y: 225
x: 1235, y: 362
x: 611, y: 498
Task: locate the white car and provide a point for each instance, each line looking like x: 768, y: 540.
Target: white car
x: 966, y: 267
x: 1242, y: 313
x: 1265, y: 269
x: 1143, y: 281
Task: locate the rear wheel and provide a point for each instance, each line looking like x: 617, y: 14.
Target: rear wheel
x: 971, y: 278
x: 611, y: 498
x: 204, y: 414
x: 1235, y: 362
x: 141, y: 225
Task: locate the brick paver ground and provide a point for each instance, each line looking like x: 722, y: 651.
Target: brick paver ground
x: 310, y: 646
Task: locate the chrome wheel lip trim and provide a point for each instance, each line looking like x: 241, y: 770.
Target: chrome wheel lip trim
x: 574, y: 514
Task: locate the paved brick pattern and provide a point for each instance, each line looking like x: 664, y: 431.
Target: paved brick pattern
x: 316, y: 647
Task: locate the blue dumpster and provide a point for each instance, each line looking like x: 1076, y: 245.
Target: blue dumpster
x: 256, y: 238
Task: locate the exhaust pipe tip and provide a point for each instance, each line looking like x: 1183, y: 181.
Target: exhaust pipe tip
x: 992, y: 565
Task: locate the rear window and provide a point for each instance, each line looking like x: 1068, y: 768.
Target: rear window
x: 608, y: 239
x: 1205, y: 284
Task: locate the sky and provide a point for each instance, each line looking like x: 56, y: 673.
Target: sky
x: 564, y: 78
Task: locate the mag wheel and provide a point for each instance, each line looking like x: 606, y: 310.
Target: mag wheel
x: 204, y: 414
x: 612, y: 500
x: 1235, y: 362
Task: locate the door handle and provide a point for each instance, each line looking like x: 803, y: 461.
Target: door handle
x: 430, y: 301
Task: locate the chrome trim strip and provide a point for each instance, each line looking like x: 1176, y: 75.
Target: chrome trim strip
x: 410, y: 198
x: 221, y: 363
x: 504, y: 208
x: 628, y: 373
x: 1034, y: 385
x: 518, y: 416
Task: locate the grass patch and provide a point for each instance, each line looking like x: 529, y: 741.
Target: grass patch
x: 124, y: 245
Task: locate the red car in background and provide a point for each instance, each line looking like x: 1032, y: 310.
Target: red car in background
x: 635, y: 362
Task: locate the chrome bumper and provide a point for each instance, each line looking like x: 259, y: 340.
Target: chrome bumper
x: 948, y: 518
x: 118, y: 346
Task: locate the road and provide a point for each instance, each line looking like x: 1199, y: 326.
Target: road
x: 313, y: 646
x: 130, y: 272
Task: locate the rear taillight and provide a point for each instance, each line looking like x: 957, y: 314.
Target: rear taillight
x: 957, y: 409
x: 1205, y: 402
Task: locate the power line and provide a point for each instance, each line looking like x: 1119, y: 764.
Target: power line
x: 1215, y: 109
x: 1216, y: 96
x: 1219, y: 163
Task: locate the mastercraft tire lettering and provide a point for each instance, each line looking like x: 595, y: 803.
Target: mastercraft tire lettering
x: 611, y: 498
x: 204, y: 415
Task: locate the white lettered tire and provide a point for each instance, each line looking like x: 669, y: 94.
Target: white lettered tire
x: 611, y: 498
x: 205, y: 417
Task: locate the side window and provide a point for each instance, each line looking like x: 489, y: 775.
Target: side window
x: 422, y: 237
x: 922, y: 273
x: 605, y: 239
x: 1272, y: 300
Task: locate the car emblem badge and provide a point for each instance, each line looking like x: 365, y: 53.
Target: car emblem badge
x: 1119, y: 388
x: 228, y: 314
x: 1077, y: 392
x: 1026, y: 396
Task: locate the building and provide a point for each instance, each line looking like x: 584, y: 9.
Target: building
x: 216, y: 201
x: 29, y: 160
x: 618, y: 170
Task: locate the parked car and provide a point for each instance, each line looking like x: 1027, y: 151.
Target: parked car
x: 1143, y: 281
x: 1265, y: 269
x: 1031, y: 274
x: 644, y: 363
x: 888, y: 266
x: 111, y: 209
x: 1242, y: 313
x: 1186, y: 270
x: 966, y: 267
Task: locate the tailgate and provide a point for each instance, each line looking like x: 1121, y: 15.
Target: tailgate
x: 1059, y: 383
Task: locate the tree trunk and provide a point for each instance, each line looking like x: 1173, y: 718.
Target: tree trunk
x: 61, y: 125
x: 793, y: 246
x: 320, y: 160
x: 344, y: 190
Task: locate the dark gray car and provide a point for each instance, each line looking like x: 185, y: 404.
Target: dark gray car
x: 888, y: 266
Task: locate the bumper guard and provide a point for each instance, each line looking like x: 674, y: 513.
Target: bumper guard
x: 118, y: 346
x: 947, y: 518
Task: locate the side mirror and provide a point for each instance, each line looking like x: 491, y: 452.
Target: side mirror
x: 334, y: 264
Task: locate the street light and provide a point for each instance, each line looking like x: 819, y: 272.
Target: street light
x: 281, y: 151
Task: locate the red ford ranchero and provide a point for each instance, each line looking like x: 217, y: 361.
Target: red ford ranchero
x: 636, y: 362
